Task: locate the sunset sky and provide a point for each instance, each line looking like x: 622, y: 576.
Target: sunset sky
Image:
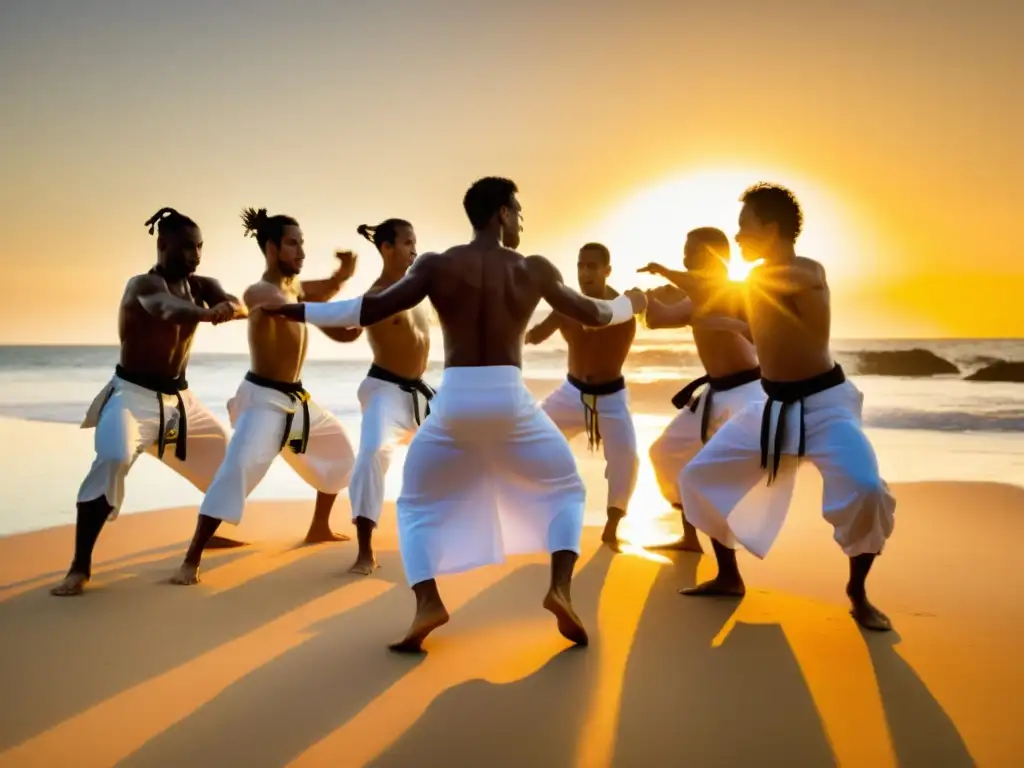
x: 896, y: 122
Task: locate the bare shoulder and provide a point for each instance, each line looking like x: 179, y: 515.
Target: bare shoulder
x: 541, y: 269
x: 144, y: 285
x: 261, y: 293
x: 810, y: 265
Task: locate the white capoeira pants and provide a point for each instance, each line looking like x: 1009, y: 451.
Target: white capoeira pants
x: 260, y: 416
x: 724, y: 488
x: 606, y: 416
x: 683, y: 438
x: 128, y: 419
x: 391, y: 415
x: 487, y: 475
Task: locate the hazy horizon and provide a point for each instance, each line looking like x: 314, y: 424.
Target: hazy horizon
x: 894, y: 124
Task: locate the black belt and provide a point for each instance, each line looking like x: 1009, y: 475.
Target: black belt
x: 412, y: 386
x: 588, y: 396
x: 163, y: 386
x: 787, y: 393
x: 297, y: 394
x: 685, y: 396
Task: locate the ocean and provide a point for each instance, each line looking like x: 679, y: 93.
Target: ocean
x: 924, y: 428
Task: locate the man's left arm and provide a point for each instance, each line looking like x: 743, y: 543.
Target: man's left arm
x: 211, y: 292
x: 319, y: 291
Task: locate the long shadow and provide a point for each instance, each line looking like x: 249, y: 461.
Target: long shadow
x: 317, y: 687
x: 745, y: 702
x: 922, y: 733
x: 533, y: 719
x: 69, y: 654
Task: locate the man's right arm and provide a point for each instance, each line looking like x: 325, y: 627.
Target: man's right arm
x: 152, y: 294
x: 575, y: 306
x: 368, y: 309
x: 542, y: 331
x: 661, y: 316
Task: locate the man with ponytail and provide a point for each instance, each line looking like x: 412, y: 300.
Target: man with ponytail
x: 147, y: 406
x: 488, y: 474
x: 393, y: 396
x: 271, y: 413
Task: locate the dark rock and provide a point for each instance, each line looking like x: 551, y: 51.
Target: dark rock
x: 904, y: 362
x: 1004, y: 370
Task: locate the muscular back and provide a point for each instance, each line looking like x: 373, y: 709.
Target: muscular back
x: 790, y: 320
x: 152, y: 346
x: 484, y: 297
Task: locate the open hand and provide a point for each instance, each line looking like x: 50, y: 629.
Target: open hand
x: 638, y: 299
x: 347, y: 267
x: 653, y: 268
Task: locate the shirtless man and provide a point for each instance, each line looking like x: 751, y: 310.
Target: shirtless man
x: 593, y: 396
x: 488, y: 474
x: 271, y: 413
x: 732, y: 377
x: 393, y: 396
x: 147, y: 406
x: 811, y: 411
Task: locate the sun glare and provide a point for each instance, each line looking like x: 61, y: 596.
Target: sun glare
x: 652, y: 224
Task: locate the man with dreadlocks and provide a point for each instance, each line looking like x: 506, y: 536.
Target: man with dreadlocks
x: 393, y: 396
x: 732, y: 378
x: 147, y: 406
x: 271, y: 413
x: 593, y: 397
x: 488, y: 474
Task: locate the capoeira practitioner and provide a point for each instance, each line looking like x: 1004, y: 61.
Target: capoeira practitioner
x: 732, y: 378
x: 393, y: 396
x: 147, y: 406
x: 811, y: 411
x: 272, y: 413
x: 488, y: 474
x: 593, y: 396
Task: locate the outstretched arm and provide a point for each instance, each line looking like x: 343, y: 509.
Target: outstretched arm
x: 682, y: 280
x: 366, y: 310
x: 661, y: 315
x: 153, y: 296
x: 576, y: 306
x: 211, y: 291
x: 542, y: 331
x: 325, y: 290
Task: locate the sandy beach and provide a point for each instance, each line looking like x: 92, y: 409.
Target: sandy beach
x: 279, y: 658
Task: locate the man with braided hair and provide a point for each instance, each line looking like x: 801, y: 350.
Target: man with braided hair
x: 393, y: 396
x: 147, y: 405
x: 272, y: 413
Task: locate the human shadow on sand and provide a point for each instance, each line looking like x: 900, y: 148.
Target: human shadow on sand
x: 308, y: 693
x: 70, y: 654
x: 921, y: 730
x: 529, y: 722
x: 744, y: 702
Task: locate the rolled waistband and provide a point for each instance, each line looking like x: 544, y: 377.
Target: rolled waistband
x: 159, y: 384
x: 284, y: 387
x: 794, y: 391
x: 604, y: 388
x: 482, y: 376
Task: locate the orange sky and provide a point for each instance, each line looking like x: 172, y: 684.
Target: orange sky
x: 898, y: 121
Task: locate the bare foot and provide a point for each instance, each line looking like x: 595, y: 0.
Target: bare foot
x: 73, y: 584
x: 869, y: 617
x: 569, y: 623
x: 186, y: 575
x: 717, y: 587
x: 220, y: 542
x: 325, y: 535
x: 364, y: 565
x: 683, y: 544
x: 427, y: 619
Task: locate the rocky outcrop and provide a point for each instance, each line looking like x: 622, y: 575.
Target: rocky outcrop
x: 1004, y: 370
x: 904, y: 362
